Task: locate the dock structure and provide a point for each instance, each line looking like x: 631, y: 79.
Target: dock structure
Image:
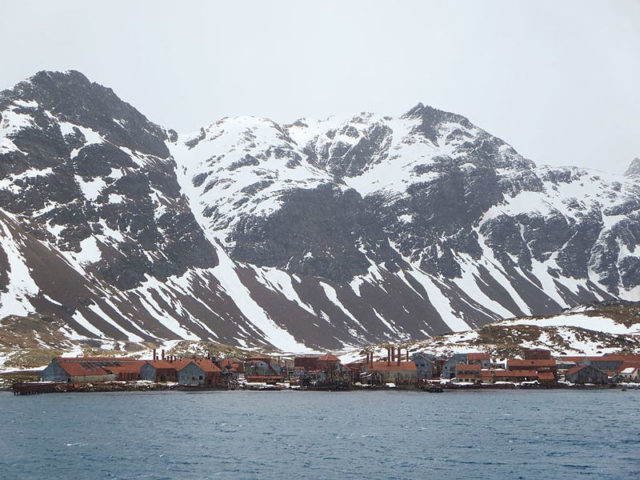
x: 36, y: 388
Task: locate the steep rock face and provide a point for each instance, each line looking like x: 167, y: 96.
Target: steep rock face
x: 634, y: 168
x: 93, y: 176
x: 317, y: 234
x: 323, y: 232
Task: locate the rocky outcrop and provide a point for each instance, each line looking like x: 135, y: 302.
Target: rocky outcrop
x: 634, y: 168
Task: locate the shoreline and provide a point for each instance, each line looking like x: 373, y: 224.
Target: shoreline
x: 37, y: 388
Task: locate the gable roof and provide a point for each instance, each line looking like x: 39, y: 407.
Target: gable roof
x: 167, y: 365
x: 207, y: 366
x: 329, y: 358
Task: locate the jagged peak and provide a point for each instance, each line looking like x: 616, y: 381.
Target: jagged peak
x: 415, y: 111
x: 71, y: 97
x: 634, y: 168
x: 59, y: 75
x: 50, y: 80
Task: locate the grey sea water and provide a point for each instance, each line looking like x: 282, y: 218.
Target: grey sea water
x: 313, y: 435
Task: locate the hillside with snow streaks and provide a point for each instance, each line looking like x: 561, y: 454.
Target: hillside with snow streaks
x: 320, y: 234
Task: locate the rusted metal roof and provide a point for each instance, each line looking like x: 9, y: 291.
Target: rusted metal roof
x: 206, y: 365
x: 98, y: 359
x: 82, y: 369
x: 382, y: 366
x: 168, y: 365
x: 531, y: 363
x: 468, y: 368
x: 478, y: 356
x: 514, y: 373
x: 329, y: 358
x: 129, y: 367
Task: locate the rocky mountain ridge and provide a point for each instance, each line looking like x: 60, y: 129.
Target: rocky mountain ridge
x: 312, y: 235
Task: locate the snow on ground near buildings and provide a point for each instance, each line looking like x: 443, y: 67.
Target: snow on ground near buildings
x: 596, y: 323
x: 564, y: 334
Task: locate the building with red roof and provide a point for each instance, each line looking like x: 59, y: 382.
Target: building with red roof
x: 128, y: 371
x: 469, y: 372
x: 400, y: 373
x: 326, y: 361
x: 532, y: 365
x: 479, y: 358
x: 162, y: 370
x: 90, y: 369
x: 230, y: 365
x: 307, y: 362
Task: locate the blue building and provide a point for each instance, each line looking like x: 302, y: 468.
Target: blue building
x: 425, y: 365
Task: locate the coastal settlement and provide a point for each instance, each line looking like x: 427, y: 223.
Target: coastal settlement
x: 399, y: 369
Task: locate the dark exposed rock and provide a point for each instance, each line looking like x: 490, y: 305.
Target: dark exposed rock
x: 334, y: 242
x: 634, y: 168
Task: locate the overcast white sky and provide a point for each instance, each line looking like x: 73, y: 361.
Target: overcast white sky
x: 559, y: 80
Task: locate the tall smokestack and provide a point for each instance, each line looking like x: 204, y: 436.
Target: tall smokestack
x: 154, y: 354
x: 163, y: 353
x: 393, y: 353
x: 407, y: 354
x: 399, y: 356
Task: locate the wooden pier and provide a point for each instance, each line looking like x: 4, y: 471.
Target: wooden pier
x: 36, y: 388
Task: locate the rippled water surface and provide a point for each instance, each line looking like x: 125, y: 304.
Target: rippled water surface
x: 293, y: 435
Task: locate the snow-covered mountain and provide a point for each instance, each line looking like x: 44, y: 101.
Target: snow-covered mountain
x: 316, y: 234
